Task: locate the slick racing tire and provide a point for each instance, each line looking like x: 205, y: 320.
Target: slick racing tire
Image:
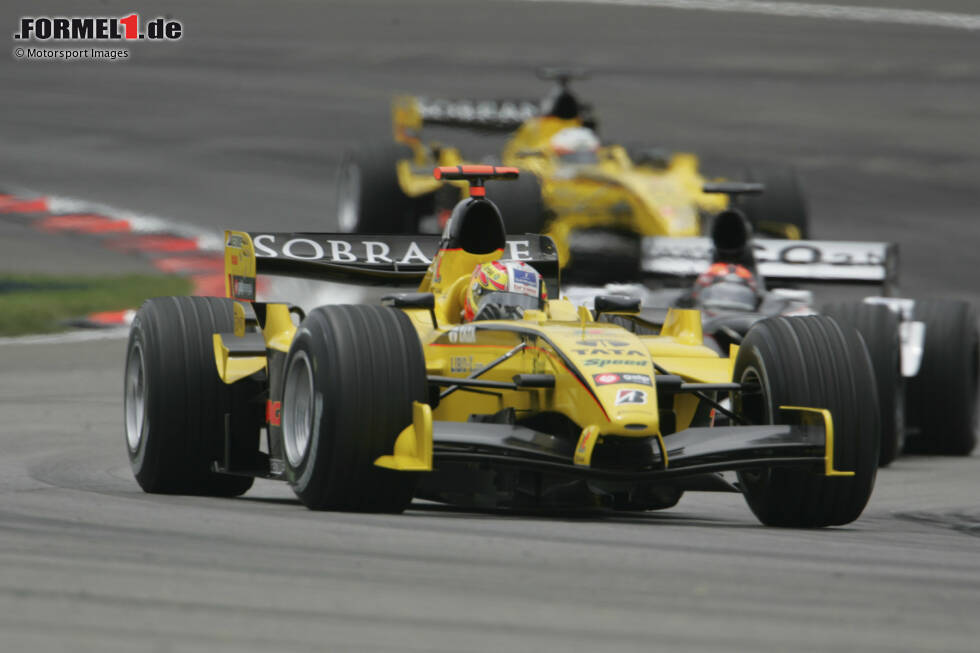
x: 815, y: 362
x: 519, y: 202
x: 878, y: 325
x: 369, y: 198
x: 351, y: 376
x: 175, y: 403
x: 780, y: 211
x: 601, y: 256
x: 942, y: 397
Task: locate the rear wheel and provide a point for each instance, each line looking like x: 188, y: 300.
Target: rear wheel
x: 175, y: 403
x: 942, y: 397
x: 369, y: 198
x: 780, y: 210
x: 601, y: 256
x: 879, y: 326
x: 814, y: 362
x: 351, y: 376
x: 520, y: 203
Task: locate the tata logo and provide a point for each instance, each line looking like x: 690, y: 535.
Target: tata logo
x: 602, y: 342
x: 608, y: 352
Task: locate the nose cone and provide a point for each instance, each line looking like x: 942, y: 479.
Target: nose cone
x: 617, y: 367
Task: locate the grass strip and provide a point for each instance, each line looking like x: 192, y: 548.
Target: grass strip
x: 41, y: 304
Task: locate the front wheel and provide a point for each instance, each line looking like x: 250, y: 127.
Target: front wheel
x: 351, y: 376
x: 810, y: 361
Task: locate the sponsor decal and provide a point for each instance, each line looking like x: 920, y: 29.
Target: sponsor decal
x: 602, y: 342
x: 524, y: 282
x: 602, y: 362
x: 611, y: 378
x: 461, y: 364
x: 273, y: 412
x: 488, y: 112
x: 243, y: 288
x: 463, y: 334
x: 392, y: 251
x: 608, y: 352
x: 631, y: 397
x: 690, y: 256
x: 334, y: 250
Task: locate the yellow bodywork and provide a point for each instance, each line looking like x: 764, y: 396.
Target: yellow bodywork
x: 413, y: 447
x: 605, y: 377
x: 233, y: 368
x: 823, y: 416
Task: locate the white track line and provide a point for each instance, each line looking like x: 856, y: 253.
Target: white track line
x: 917, y: 17
x: 86, y: 335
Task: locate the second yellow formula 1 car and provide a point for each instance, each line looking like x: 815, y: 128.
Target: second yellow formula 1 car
x: 484, y: 388
x: 594, y: 200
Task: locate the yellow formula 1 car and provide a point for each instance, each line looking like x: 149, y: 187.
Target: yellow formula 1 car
x: 536, y: 403
x: 592, y: 200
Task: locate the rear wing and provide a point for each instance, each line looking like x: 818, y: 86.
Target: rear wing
x: 806, y: 261
x: 411, y: 113
x: 361, y: 259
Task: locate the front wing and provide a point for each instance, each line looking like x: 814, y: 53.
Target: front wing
x: 691, y: 452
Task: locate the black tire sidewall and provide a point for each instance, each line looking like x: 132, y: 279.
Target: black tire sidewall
x: 812, y: 361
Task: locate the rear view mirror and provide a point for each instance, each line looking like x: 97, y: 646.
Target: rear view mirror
x: 616, y: 304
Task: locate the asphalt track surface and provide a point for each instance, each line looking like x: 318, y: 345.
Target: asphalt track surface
x: 242, y: 123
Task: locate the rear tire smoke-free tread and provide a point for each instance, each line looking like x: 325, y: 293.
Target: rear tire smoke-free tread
x: 520, y: 203
x: 781, y: 202
x: 382, y: 206
x: 186, y: 401
x: 811, y: 361
x: 601, y: 256
x: 879, y: 327
x: 942, y: 397
x: 367, y: 368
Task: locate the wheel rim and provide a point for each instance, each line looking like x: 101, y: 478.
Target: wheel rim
x: 135, y: 398
x: 348, y: 197
x: 754, y: 405
x: 297, y: 418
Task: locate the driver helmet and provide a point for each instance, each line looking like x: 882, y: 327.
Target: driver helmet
x: 727, y: 287
x: 576, y: 145
x: 502, y: 290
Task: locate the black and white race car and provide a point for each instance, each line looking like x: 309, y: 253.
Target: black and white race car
x: 926, y: 353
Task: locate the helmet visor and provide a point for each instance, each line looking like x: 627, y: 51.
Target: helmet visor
x: 727, y: 296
